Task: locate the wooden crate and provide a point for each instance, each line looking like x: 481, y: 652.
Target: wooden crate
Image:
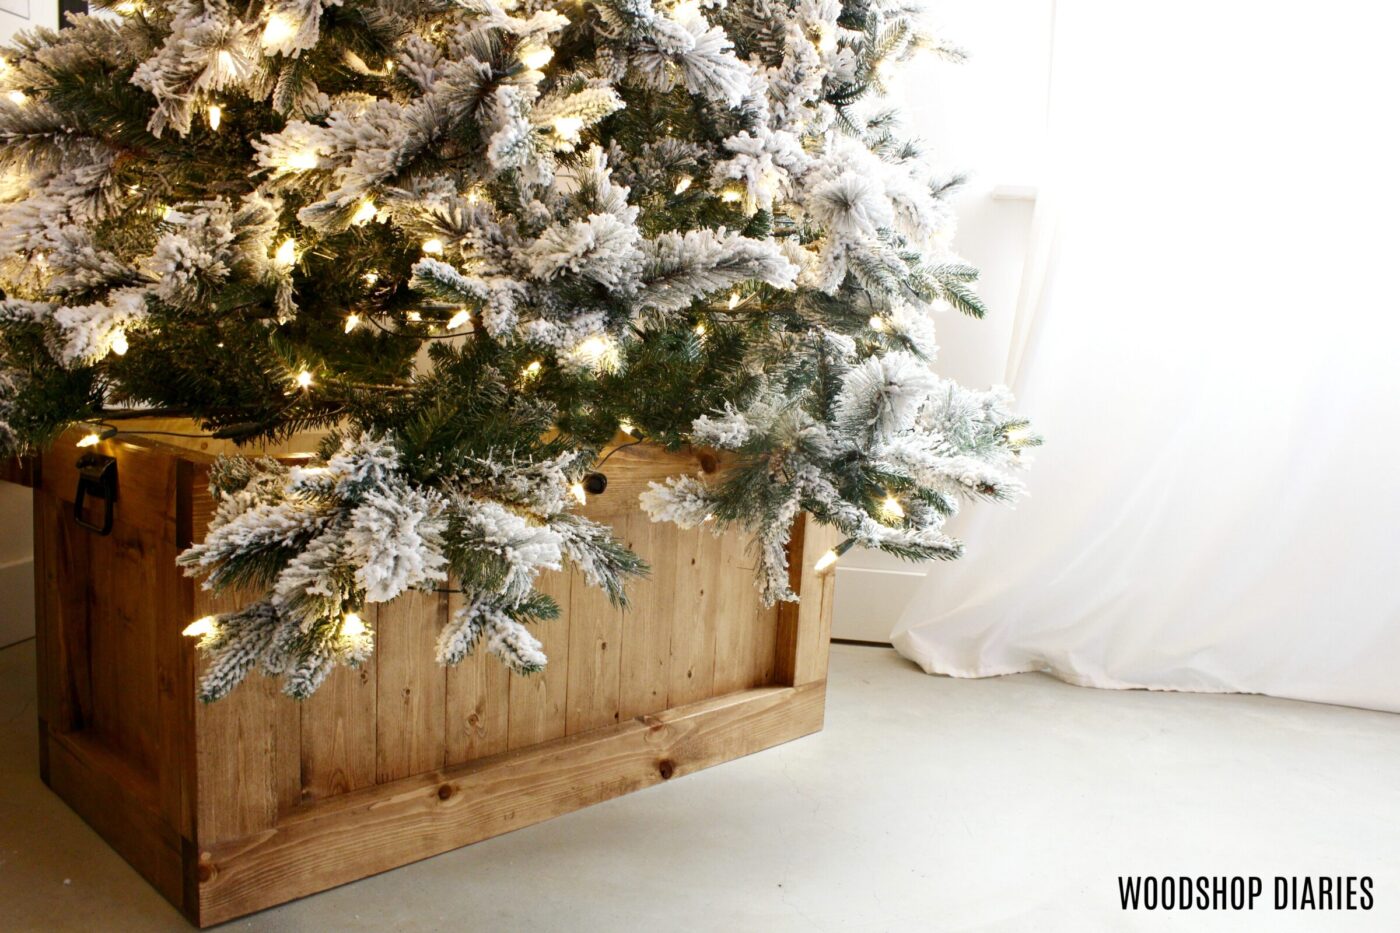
x: 257, y: 799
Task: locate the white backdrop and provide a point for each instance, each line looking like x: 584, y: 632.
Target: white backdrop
x: 1213, y: 357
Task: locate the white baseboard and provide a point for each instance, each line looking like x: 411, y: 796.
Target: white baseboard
x: 870, y: 600
x: 16, y: 602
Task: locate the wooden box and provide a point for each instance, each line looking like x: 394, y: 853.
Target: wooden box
x: 257, y: 799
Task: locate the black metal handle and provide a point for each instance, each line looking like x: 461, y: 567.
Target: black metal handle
x: 97, y: 476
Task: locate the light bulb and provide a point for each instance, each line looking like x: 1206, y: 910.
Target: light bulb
x: 826, y: 37
x: 731, y: 195
x: 17, y: 98
x: 826, y: 560
x: 365, y: 213
x: 1018, y: 436
x: 303, y: 161
x: 165, y: 211
x: 278, y: 30
x: 877, y: 323
x: 433, y: 247
x: 733, y: 300
x: 532, y: 370
x: 117, y: 343
x: 598, y: 351
x: 891, y: 508
x: 216, y: 113
x: 536, y: 57
x: 200, y: 627
x: 88, y: 440
x: 371, y: 278
x: 684, y: 184
x: 352, y: 625
x: 352, y: 321
x: 626, y: 427
x: 700, y: 329
x: 473, y: 196
x: 414, y: 316
x: 576, y: 490
x: 127, y: 7
x: 568, y: 127
x: 459, y: 319
x: 287, y: 253
x: 304, y: 379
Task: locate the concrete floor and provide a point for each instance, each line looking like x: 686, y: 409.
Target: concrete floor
x: 926, y: 804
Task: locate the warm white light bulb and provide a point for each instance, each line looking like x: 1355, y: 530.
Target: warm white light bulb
x: 568, y: 127
x: 626, y: 426
x: 826, y: 560
x: 365, y: 213
x: 433, y: 247
x: 576, y: 490
x: 536, y: 57
x: 733, y: 300
x: 303, y: 161
x: 891, y: 508
x: 1017, y: 436
x: 532, y: 370
x: 304, y: 379
x: 684, y: 184
x: 371, y: 278
x: 278, y: 30
x: 414, y: 316
x: 17, y: 98
x: 877, y: 323
x: 88, y: 440
x: 826, y: 37
x: 700, y: 329
x: 287, y: 253
x: 216, y: 114
x: 352, y: 321
x: 352, y: 625
x: 118, y: 343
x: 200, y: 627
x: 731, y: 195
x: 459, y: 319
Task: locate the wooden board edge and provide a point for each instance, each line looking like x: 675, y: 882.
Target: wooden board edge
x: 385, y: 827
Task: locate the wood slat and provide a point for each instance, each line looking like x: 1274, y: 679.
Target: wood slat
x: 412, y: 687
x: 539, y: 702
x: 595, y: 652
x: 478, y: 704
x: 646, y: 625
x: 339, y: 734
x: 697, y: 555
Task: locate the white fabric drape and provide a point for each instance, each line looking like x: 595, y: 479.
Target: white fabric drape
x: 1212, y: 354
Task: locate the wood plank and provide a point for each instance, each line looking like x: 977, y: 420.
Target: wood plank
x: 735, y: 615
x: 412, y: 686
x: 697, y: 556
x: 804, y: 628
x: 370, y: 831
x: 339, y: 734
x: 646, y: 625
x: 595, y: 652
x: 538, y: 702
x: 478, y: 703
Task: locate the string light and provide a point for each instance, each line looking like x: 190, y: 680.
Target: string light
x: 828, y: 559
x: 626, y: 427
x: 731, y: 195
x: 371, y: 278
x: 891, y: 508
x: 88, y: 440
x: 18, y: 98
x: 700, y: 329
x: 352, y: 626
x: 568, y: 127
x: 304, y: 378
x: 278, y: 30
x: 536, y: 57
x: 365, y: 213
x: 532, y: 370
x: 200, y: 627
x: 576, y: 490
x: 287, y: 253
x: 733, y: 300
x: 352, y: 321
x: 216, y: 113
x: 826, y: 37
x: 459, y: 319
x: 1018, y: 436
x: 414, y: 316
x: 433, y: 247
x: 303, y: 161
x: 117, y: 343
x: 598, y: 351
x: 684, y: 184
x: 127, y: 7
x: 877, y: 323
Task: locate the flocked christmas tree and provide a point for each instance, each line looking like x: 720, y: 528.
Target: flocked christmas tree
x: 472, y: 238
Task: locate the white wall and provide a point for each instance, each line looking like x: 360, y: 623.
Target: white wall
x: 18, y: 15
x: 985, y: 117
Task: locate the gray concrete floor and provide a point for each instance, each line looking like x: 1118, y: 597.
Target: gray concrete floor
x: 926, y: 804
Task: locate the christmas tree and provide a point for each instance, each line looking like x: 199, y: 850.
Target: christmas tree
x: 473, y: 239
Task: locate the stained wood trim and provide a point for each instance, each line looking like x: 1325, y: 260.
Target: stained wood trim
x: 366, y: 832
